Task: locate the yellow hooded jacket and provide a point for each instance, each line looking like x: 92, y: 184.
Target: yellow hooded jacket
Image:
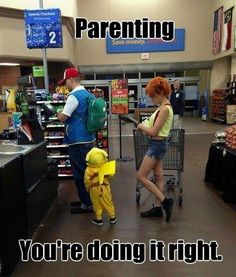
x: 98, y: 168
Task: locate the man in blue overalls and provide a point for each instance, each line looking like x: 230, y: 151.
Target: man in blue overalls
x: 74, y: 115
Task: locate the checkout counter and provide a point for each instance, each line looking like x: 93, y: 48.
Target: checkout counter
x: 28, y: 187
x: 28, y: 183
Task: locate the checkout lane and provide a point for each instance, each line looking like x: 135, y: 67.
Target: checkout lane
x: 28, y: 187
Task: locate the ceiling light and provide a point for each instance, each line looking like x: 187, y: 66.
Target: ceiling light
x: 9, y: 64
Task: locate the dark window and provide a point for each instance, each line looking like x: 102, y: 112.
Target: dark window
x: 179, y: 74
x: 88, y: 76
x: 145, y: 75
x: 131, y: 75
x: 160, y: 74
x: 101, y: 76
x: 117, y: 76
x: 25, y: 70
x: 174, y: 74
x: 89, y: 88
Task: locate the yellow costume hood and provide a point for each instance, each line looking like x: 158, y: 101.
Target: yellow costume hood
x: 97, y: 158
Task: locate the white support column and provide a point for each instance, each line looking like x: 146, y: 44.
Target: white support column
x: 233, y: 65
x: 45, y: 63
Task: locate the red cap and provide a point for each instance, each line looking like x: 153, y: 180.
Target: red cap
x: 69, y: 73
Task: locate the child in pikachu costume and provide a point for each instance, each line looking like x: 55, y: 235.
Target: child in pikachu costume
x: 97, y: 181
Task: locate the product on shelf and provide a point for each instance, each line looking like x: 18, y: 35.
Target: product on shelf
x: 219, y: 104
x: 233, y: 85
x: 98, y: 92
x: 54, y: 143
x: 62, y: 162
x: 62, y: 90
x: 231, y: 137
x: 65, y: 171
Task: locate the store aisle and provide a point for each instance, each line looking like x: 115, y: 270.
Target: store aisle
x: 203, y: 216
x: 192, y: 125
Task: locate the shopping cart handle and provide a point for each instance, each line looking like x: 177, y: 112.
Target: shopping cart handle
x: 129, y: 119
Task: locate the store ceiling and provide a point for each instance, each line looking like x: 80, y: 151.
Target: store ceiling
x: 29, y: 62
x: 152, y: 67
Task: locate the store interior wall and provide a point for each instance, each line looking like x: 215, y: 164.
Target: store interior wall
x: 13, y: 43
x: 198, y: 22
x: 195, y: 21
x: 220, y: 73
x: 68, y: 7
x: 8, y: 76
x: 227, y: 4
x: 233, y: 65
x: 204, y: 78
x: 223, y: 66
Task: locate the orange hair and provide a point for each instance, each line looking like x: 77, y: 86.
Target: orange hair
x: 158, y: 85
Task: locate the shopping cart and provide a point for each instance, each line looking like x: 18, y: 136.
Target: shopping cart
x: 173, y: 161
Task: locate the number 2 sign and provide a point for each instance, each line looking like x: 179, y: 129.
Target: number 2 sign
x: 52, y: 37
x: 43, y: 28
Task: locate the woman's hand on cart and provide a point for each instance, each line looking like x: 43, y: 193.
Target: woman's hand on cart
x: 140, y: 126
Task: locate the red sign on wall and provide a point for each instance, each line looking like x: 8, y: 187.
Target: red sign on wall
x: 120, y: 97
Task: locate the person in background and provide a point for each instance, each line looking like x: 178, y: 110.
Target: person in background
x: 177, y: 102
x: 158, y: 129
x: 80, y: 141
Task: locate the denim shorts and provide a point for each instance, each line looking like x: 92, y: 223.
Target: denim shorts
x: 157, y: 149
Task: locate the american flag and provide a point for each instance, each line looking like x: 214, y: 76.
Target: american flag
x: 228, y: 15
x: 217, y: 29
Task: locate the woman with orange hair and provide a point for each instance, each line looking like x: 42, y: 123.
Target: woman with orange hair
x: 157, y: 127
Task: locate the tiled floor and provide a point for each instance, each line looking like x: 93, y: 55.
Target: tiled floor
x: 192, y: 125
x: 203, y: 216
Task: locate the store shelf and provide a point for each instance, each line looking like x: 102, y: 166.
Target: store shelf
x: 50, y: 120
x: 55, y: 126
x: 51, y: 102
x: 54, y: 131
x: 218, y: 119
x: 58, y: 156
x: 52, y: 137
x: 218, y: 104
x: 57, y: 146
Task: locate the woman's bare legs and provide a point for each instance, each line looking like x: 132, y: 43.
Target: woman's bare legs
x: 158, y: 173
x: 148, y: 164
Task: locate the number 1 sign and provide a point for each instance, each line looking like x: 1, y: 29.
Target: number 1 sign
x: 43, y: 28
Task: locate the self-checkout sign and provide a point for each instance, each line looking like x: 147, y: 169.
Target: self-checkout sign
x: 43, y: 28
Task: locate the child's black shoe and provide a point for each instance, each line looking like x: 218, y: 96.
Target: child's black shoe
x: 113, y: 220
x: 97, y: 221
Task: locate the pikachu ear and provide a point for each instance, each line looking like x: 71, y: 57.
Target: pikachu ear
x: 104, y: 153
x: 89, y: 154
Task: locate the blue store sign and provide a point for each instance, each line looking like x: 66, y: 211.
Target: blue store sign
x: 43, y: 28
x: 146, y: 45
